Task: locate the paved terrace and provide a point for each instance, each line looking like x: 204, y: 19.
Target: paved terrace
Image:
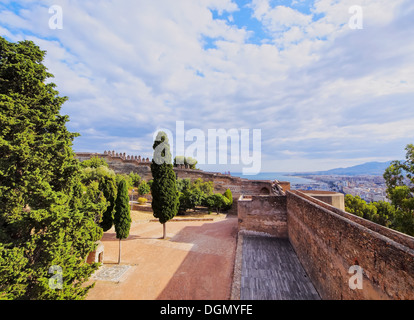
x: 197, y: 262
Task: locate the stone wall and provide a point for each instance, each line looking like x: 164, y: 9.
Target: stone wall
x: 264, y: 214
x: 335, y: 199
x: 122, y: 163
x: 237, y: 185
x: 328, y: 241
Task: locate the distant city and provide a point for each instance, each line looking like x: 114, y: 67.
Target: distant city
x: 363, y: 180
x: 369, y: 188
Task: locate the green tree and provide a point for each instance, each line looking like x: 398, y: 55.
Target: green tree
x: 183, y: 184
x: 187, y: 162
x: 135, y: 179
x: 144, y: 188
x: 206, y: 187
x: 229, y: 196
x: 164, y: 191
x: 385, y: 214
x: 190, y: 198
x: 126, y: 177
x: 179, y: 160
x: 359, y: 207
x: 399, y: 178
x: 47, y: 217
x: 190, y: 162
x: 193, y: 193
x: 94, y: 162
x: 107, y: 184
x: 217, y: 202
x: 109, y: 188
x: 122, y: 216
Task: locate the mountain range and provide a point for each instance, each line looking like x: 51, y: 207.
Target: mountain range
x: 369, y: 168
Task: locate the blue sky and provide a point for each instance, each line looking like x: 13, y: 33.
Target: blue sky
x: 323, y: 94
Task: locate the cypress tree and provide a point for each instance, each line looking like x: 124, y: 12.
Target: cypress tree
x: 108, y: 185
x: 165, y: 198
x: 122, y: 216
x: 48, y: 219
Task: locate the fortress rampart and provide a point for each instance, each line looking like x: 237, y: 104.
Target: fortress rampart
x: 328, y: 241
x: 122, y: 163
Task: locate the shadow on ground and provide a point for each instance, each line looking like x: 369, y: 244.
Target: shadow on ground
x: 206, y: 273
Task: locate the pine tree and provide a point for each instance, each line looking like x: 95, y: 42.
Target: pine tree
x: 122, y: 216
x: 47, y: 218
x: 165, y: 198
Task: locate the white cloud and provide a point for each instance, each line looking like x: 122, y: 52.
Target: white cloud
x: 130, y: 67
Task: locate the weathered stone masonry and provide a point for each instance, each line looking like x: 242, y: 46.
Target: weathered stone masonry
x: 122, y: 163
x: 328, y: 241
x: 264, y: 214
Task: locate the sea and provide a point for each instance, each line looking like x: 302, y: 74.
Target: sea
x: 281, y: 176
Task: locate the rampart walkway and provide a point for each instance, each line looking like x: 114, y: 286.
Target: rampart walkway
x: 271, y: 271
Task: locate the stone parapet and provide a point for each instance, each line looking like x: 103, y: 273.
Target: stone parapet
x: 329, y: 241
x: 263, y: 214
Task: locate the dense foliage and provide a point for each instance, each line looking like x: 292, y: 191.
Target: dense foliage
x: 48, y: 218
x: 217, y: 202
x: 399, y: 214
x: 193, y: 194
x: 97, y: 170
x: 144, y: 188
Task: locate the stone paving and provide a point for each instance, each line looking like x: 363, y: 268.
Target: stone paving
x: 110, y: 272
x: 271, y: 271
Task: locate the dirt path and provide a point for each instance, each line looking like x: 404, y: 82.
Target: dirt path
x: 196, y: 262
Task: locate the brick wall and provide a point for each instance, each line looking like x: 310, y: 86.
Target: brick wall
x: 328, y: 241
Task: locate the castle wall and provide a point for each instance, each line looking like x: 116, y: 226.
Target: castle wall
x: 265, y: 214
x: 124, y: 164
x: 222, y: 182
x: 328, y: 241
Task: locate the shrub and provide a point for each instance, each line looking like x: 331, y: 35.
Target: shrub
x: 217, y: 202
x: 135, y: 179
x: 144, y: 188
x: 229, y: 196
x: 142, y: 200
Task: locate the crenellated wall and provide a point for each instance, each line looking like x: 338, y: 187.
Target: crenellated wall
x: 122, y: 163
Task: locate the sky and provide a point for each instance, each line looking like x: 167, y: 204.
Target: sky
x: 327, y: 83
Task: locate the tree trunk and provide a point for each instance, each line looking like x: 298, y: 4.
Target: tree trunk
x: 164, y: 231
x: 119, y: 256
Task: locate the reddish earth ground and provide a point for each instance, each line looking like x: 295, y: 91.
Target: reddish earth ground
x: 195, y: 262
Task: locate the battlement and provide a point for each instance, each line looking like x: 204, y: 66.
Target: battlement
x: 108, y: 155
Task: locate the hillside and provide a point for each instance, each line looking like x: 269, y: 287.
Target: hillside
x: 369, y: 168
